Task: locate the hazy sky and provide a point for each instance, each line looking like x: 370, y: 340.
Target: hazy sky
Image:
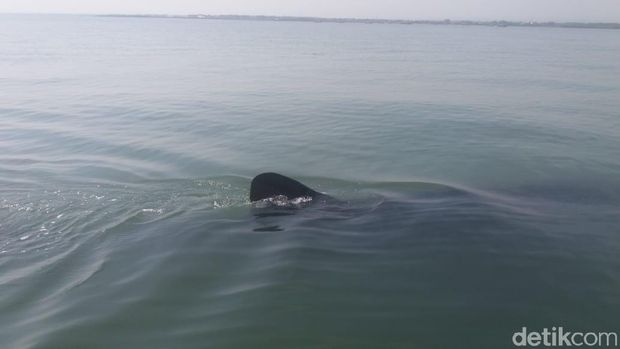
x: 538, y: 10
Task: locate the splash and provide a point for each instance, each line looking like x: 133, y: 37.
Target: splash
x: 283, y: 201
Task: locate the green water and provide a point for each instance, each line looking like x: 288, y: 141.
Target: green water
x: 478, y: 172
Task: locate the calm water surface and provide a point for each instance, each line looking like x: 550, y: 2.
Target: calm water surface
x: 479, y: 169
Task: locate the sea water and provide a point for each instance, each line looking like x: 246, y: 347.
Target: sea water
x: 478, y: 170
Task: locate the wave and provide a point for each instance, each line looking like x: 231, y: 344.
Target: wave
x: 197, y: 252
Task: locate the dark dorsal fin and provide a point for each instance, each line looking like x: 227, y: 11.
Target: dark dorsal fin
x: 268, y: 185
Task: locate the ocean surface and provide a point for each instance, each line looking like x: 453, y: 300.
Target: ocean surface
x: 477, y: 168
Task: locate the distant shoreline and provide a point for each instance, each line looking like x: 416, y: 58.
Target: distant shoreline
x: 382, y: 21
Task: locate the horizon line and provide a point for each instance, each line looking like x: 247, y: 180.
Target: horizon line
x: 306, y: 18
